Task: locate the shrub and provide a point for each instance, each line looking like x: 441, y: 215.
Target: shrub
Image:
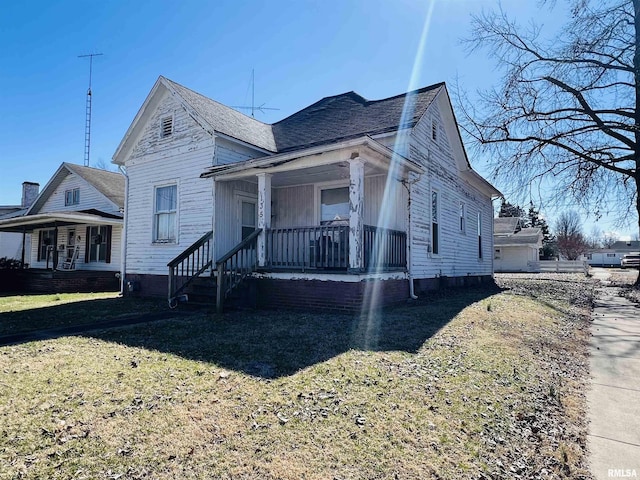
x: 10, y: 264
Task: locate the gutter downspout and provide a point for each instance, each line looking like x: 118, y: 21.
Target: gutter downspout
x: 408, y: 185
x: 123, y: 246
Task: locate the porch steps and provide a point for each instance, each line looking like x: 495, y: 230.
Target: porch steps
x: 201, y: 294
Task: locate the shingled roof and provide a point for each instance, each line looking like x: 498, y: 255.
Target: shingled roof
x: 109, y: 184
x: 226, y: 120
x: 349, y: 115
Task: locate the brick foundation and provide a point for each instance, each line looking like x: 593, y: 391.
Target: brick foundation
x: 43, y: 281
x: 146, y: 285
x: 330, y: 295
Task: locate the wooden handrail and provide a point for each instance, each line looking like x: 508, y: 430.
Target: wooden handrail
x: 198, y: 243
x: 189, y: 265
x: 240, y: 246
x: 234, y: 266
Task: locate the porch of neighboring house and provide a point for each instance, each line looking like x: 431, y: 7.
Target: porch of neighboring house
x: 68, y: 254
x: 307, y: 234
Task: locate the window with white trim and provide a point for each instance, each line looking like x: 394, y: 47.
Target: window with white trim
x: 435, y: 222
x: 497, y: 254
x: 463, y: 218
x: 334, y: 204
x: 72, y: 197
x: 480, y: 235
x: 165, y: 214
x: 166, y: 127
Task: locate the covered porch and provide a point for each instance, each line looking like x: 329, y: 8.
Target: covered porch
x: 70, y: 251
x: 340, y: 209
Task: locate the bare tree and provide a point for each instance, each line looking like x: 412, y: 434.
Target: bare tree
x: 608, y: 239
x: 570, y: 239
x: 567, y: 107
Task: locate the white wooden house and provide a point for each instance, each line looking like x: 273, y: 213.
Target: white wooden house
x: 346, y: 203
x: 75, y: 225
x: 516, y: 249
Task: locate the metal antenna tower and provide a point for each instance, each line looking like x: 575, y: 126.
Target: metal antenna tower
x: 87, y: 123
x: 253, y: 107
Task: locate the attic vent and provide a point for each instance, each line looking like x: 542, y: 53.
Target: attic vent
x: 166, y: 127
x: 434, y: 131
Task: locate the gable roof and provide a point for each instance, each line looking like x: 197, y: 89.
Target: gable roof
x: 505, y: 225
x: 526, y: 236
x: 350, y: 115
x: 225, y: 119
x: 109, y: 184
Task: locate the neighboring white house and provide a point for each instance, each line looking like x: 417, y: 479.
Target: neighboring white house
x: 76, y: 225
x: 334, y: 201
x: 12, y: 244
x: 610, y: 257
x: 516, y: 249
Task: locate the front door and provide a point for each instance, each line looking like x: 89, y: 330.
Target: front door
x: 248, y: 216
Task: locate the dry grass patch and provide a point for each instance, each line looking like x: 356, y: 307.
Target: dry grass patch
x: 490, y: 390
x: 26, y: 313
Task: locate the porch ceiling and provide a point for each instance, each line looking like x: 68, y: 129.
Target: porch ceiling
x: 318, y: 174
x: 30, y: 223
x: 317, y: 164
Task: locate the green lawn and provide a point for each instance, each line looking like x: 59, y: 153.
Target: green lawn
x: 473, y: 384
x: 26, y: 313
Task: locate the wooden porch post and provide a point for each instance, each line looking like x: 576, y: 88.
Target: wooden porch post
x: 264, y: 215
x: 356, y: 201
x: 55, y: 248
x: 24, y: 239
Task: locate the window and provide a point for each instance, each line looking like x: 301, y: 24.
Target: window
x: 434, y: 130
x: 46, y: 244
x: 166, y: 127
x: 72, y: 197
x: 435, y: 233
x: 248, y: 217
x: 496, y: 254
x: 611, y: 255
x: 98, y: 244
x: 166, y: 200
x: 334, y: 204
x: 589, y: 256
x: 480, y: 235
x: 463, y: 225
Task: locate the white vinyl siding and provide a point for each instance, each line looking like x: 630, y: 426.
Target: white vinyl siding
x: 88, y: 197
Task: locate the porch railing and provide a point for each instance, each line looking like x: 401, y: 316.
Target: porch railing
x: 189, y: 265
x: 327, y: 247
x: 384, y: 248
x: 235, y: 266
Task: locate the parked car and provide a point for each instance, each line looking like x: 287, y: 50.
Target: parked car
x: 631, y: 260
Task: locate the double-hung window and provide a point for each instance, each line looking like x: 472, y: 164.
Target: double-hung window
x: 463, y: 219
x: 164, y: 221
x: 72, y: 197
x: 435, y: 223
x: 480, y: 235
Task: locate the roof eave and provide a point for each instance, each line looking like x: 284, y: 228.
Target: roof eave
x: 278, y: 159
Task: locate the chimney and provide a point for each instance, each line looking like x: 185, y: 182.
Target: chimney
x: 30, y: 191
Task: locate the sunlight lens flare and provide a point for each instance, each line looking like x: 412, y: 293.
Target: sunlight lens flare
x: 392, y: 190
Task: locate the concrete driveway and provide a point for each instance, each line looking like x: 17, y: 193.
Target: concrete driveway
x: 614, y: 395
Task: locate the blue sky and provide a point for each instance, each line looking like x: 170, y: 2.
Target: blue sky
x: 300, y: 50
